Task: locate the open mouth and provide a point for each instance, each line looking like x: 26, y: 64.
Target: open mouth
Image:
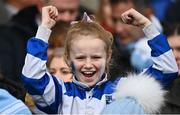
x: 88, y: 73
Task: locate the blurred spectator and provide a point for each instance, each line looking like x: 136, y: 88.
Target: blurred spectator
x: 58, y: 67
x: 3, y: 13
x: 173, y: 33
x: 145, y: 6
x: 124, y: 38
x: 13, y: 88
x: 129, y: 41
x: 160, y: 7
x: 141, y: 49
x: 128, y: 34
x: 125, y: 34
x: 104, y: 15
x: 10, y: 105
x: 13, y: 43
x: 142, y: 54
x: 12, y: 7
x: 172, y: 98
x: 91, y: 5
x: 57, y: 37
x: 172, y: 14
x: 68, y: 9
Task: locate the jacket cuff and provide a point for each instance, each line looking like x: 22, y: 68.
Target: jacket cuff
x: 151, y: 31
x: 43, y: 33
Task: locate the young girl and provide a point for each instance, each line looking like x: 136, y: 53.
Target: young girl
x: 88, y: 53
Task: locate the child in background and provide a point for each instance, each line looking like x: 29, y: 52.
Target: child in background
x: 172, y: 105
x: 173, y: 34
x: 57, y: 65
x: 88, y: 53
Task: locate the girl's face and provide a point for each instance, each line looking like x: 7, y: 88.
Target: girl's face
x: 174, y: 42
x: 59, y: 69
x: 89, y: 59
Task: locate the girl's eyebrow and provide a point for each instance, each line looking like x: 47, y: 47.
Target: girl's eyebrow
x: 64, y: 68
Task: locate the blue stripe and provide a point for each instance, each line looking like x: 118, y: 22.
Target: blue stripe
x: 37, y: 48
x: 159, y: 45
x: 106, y: 88
x: 74, y: 90
x: 165, y: 79
x: 36, y: 86
x: 53, y: 108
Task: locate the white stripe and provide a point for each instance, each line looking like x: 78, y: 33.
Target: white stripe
x: 43, y: 33
x: 8, y: 106
x: 23, y: 108
x: 62, y: 85
x: 151, y: 31
x: 13, y: 107
x: 34, y: 67
x: 165, y: 62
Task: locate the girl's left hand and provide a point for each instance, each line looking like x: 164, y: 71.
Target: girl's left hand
x: 133, y: 17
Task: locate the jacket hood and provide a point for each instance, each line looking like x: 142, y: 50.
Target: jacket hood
x: 144, y: 89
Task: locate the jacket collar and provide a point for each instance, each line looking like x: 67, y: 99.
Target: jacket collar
x: 86, y: 87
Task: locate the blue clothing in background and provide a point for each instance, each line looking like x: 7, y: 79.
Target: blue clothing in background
x: 124, y: 106
x: 11, y: 105
x: 159, y: 7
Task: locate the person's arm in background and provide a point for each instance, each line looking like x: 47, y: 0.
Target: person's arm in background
x: 164, y: 68
x: 45, y: 89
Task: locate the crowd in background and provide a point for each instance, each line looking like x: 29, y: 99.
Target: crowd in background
x: 19, y: 20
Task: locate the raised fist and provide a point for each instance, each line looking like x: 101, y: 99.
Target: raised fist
x: 133, y: 17
x: 49, y: 15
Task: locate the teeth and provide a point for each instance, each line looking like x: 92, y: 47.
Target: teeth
x: 87, y: 72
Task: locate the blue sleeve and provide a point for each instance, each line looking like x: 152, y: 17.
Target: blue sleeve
x: 45, y: 89
x: 164, y: 67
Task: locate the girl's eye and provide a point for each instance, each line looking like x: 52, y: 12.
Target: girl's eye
x: 52, y: 71
x: 65, y: 71
x: 80, y: 57
x: 96, y: 57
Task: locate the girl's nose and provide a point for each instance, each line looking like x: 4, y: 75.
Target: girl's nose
x: 88, y: 64
x: 58, y: 74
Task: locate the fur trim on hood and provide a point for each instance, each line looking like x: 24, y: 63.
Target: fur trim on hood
x: 144, y: 89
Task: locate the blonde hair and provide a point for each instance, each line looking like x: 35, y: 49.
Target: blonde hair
x: 88, y: 28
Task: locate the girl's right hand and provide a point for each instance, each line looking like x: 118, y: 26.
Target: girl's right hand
x: 49, y: 16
